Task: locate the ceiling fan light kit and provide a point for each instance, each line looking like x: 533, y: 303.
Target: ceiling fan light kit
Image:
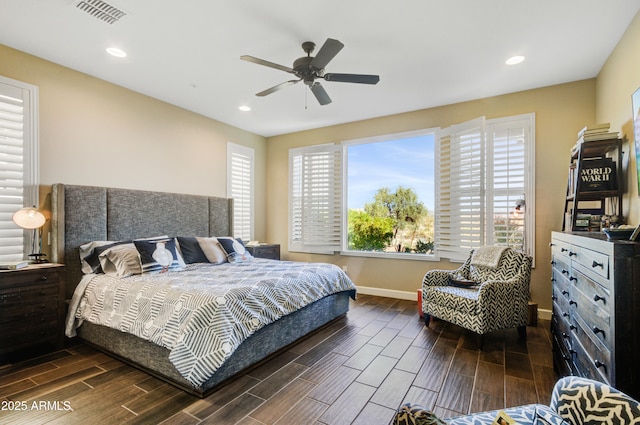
x: 309, y: 68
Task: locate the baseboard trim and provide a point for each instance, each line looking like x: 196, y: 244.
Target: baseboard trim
x: 413, y: 296
x: 389, y: 293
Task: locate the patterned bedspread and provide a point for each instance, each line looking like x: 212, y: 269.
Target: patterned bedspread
x: 204, y: 312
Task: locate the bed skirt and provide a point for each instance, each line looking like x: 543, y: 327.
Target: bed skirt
x: 266, y: 341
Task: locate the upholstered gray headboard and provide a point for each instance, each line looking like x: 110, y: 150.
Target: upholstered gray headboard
x: 81, y: 214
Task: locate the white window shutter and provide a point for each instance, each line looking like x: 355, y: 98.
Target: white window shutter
x: 18, y: 163
x: 460, y: 205
x: 240, y: 187
x: 315, y: 199
x: 509, y: 157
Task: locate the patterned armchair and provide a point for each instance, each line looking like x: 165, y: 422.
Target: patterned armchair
x: 499, y: 301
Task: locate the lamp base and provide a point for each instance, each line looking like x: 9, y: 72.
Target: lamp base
x: 38, y: 258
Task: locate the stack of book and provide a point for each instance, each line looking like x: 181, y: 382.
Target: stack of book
x: 592, y: 133
x: 13, y: 265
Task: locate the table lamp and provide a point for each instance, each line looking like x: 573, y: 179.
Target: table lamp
x: 31, y: 218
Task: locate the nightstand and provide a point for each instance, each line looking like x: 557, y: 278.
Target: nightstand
x: 32, y: 307
x: 268, y: 250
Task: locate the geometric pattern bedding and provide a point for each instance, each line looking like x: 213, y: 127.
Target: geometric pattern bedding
x: 205, y: 311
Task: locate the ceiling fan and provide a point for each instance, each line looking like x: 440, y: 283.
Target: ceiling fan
x: 308, y: 68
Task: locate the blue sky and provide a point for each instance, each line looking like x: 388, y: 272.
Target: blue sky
x: 405, y: 162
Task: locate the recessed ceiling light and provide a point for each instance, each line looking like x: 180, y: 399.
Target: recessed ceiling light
x: 515, y: 60
x: 244, y: 108
x: 114, y: 51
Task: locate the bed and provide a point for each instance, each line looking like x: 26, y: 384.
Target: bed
x: 84, y: 214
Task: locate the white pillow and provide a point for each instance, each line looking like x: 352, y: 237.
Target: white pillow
x: 121, y: 260
x: 212, y: 250
x: 87, y: 249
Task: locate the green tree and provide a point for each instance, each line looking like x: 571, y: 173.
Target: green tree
x: 406, y: 211
x: 368, y: 233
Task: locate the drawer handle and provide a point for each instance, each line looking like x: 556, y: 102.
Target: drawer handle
x: 597, y: 297
x: 565, y: 271
x: 565, y: 314
x: 43, y: 278
x: 572, y: 327
x: 596, y: 264
x: 563, y: 250
x: 571, y: 253
x: 597, y: 329
x: 573, y: 278
x: 565, y: 292
x: 573, y: 302
x: 553, y: 262
x: 554, y: 298
x: 573, y: 352
x: 599, y: 364
x: 553, y: 279
x: 564, y: 335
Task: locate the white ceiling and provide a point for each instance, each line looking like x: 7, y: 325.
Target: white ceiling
x: 427, y: 52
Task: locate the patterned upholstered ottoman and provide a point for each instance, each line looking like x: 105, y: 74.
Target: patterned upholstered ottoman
x: 575, y: 401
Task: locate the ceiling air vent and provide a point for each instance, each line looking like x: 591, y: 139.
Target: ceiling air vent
x: 101, y: 10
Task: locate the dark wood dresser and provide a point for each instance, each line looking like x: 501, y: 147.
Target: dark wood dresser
x: 32, y: 307
x: 268, y: 250
x: 595, y: 323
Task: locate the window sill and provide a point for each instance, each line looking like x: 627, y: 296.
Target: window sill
x: 391, y: 255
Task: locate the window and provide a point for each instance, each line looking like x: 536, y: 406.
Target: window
x: 486, y: 186
x: 389, y: 192
x: 18, y: 163
x: 472, y: 185
x: 315, y: 199
x: 240, y: 173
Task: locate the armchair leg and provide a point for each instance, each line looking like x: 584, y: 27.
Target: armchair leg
x: 522, y: 332
x: 427, y: 319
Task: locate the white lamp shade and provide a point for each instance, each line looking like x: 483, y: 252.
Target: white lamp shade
x: 29, y: 218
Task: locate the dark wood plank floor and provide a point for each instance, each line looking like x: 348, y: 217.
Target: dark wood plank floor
x: 358, y: 370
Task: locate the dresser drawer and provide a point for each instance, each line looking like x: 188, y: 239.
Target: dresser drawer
x: 29, y: 277
x: 26, y: 333
x: 562, y: 249
x: 592, y: 263
x: 591, y: 362
x: 592, y: 304
x: 28, y: 294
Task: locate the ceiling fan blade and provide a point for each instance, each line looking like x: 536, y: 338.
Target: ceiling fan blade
x: 320, y: 93
x: 266, y: 63
x: 328, y: 51
x: 277, y: 87
x: 352, y: 78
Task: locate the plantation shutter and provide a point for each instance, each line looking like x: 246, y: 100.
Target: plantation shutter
x: 315, y: 199
x: 18, y: 164
x: 460, y: 205
x: 509, y: 181
x: 240, y: 172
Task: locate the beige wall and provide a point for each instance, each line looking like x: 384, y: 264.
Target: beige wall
x: 561, y: 111
x: 96, y: 133
x: 618, y: 79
